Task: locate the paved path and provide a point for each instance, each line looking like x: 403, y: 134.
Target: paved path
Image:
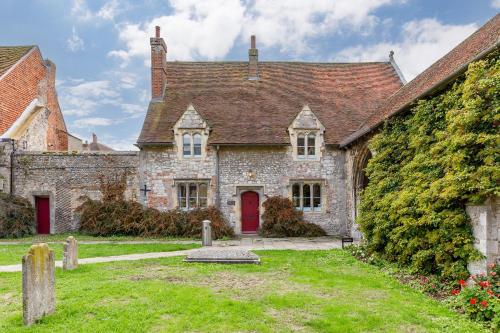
x: 250, y: 243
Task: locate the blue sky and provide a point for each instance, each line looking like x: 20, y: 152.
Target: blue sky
x: 101, y: 47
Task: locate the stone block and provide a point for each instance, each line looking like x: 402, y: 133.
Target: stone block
x: 70, y: 256
x: 206, y: 233
x: 38, y: 283
x: 223, y: 256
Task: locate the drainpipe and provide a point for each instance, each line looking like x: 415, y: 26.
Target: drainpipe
x: 217, y: 176
x: 12, y: 166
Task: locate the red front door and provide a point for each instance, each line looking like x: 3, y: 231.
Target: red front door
x: 42, y: 215
x: 249, y: 212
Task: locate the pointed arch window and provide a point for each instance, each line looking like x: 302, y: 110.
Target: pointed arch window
x: 186, y: 145
x: 197, y: 144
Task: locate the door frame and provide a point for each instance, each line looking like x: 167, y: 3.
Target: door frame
x: 46, y: 194
x: 259, y: 189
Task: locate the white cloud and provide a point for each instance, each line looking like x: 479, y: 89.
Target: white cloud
x: 134, y: 110
x: 495, y: 4
x: 96, y: 121
x: 81, y: 98
x: 82, y: 13
x: 120, y: 144
x: 75, y: 43
x: 208, y: 29
x: 422, y: 43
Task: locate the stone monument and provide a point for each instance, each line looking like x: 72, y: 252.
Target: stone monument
x: 206, y: 233
x: 38, y: 283
x: 70, y: 256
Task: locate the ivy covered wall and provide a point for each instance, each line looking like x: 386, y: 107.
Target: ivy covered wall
x: 427, y: 165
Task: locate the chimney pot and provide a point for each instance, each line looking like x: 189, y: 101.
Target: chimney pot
x: 157, y: 31
x: 94, y: 138
x: 252, y: 42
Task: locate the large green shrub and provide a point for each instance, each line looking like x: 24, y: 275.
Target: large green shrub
x: 281, y: 219
x: 17, y: 217
x: 427, y: 165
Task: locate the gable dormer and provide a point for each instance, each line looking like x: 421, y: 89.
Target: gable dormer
x: 191, y: 135
x: 306, y: 136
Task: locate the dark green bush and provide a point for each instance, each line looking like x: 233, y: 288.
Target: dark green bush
x: 428, y: 164
x: 17, y: 217
x: 281, y: 219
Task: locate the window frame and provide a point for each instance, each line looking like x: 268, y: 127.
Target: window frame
x: 187, y: 199
x: 305, y: 147
x: 192, y: 144
x: 301, y: 199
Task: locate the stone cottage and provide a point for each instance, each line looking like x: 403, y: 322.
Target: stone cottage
x: 232, y: 134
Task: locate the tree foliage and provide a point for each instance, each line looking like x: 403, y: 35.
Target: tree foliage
x: 17, y: 217
x: 427, y: 165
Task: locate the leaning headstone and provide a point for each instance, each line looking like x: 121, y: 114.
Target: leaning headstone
x: 206, y: 233
x: 38, y: 283
x: 70, y: 256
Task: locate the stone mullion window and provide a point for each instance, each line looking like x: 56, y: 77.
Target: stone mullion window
x: 191, y: 145
x: 192, y: 195
x: 307, y: 196
x: 306, y: 146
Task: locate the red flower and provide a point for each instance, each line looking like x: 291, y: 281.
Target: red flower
x: 490, y: 292
x: 473, y: 301
x: 462, y: 282
x: 484, y: 284
x: 484, y: 303
x: 455, y: 292
x: 493, y: 273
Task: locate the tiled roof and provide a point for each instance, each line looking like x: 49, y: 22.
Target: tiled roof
x: 242, y: 111
x: 441, y: 72
x: 9, y: 55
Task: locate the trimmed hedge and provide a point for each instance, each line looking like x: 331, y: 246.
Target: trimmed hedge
x: 281, y: 219
x: 17, y: 217
x: 428, y: 165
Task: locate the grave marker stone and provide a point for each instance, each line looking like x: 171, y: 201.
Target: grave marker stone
x: 70, y: 256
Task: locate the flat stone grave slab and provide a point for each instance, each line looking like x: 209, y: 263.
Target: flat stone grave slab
x: 223, y: 256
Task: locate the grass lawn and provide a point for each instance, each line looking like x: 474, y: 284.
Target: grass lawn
x: 308, y: 291
x: 82, y: 237
x: 12, y: 254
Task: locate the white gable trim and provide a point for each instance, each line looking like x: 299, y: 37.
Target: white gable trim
x: 18, y: 124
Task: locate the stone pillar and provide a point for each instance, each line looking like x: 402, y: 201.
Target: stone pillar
x: 206, y: 233
x: 70, y: 256
x: 486, y: 229
x: 38, y: 283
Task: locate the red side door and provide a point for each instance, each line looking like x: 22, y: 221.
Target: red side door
x: 42, y: 215
x: 249, y: 212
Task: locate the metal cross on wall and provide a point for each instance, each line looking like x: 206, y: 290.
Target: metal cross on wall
x: 145, y: 190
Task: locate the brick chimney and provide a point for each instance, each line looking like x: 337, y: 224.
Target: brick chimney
x: 94, y: 138
x: 158, y: 66
x: 253, y: 60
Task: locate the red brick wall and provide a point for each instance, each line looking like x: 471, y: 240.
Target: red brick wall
x: 19, y: 87
x: 30, y: 78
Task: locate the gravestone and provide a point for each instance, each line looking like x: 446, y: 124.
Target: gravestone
x: 70, y: 256
x: 38, y: 283
x: 206, y: 233
x: 223, y: 256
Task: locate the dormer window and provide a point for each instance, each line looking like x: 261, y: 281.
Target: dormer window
x: 306, y: 136
x: 191, y: 145
x: 191, y: 135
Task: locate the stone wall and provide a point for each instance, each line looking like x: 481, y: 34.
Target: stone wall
x: 66, y: 177
x: 266, y: 170
x: 485, y: 220
x: 5, y: 152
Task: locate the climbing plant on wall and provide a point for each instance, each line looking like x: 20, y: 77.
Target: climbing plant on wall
x: 427, y: 165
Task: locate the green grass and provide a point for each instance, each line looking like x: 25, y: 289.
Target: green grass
x: 309, y: 291
x: 83, y: 237
x: 12, y: 254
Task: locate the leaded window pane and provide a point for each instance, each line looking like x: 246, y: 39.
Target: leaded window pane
x: 316, y: 197
x: 311, y: 145
x: 202, y: 194
x: 182, y: 195
x: 306, y: 190
x: 197, y: 144
x: 296, y: 195
x: 186, y: 145
x: 193, y: 195
x: 301, y: 146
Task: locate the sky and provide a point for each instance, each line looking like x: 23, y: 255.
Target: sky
x: 102, y: 52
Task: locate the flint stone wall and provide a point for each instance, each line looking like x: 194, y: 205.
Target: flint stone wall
x: 66, y: 177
